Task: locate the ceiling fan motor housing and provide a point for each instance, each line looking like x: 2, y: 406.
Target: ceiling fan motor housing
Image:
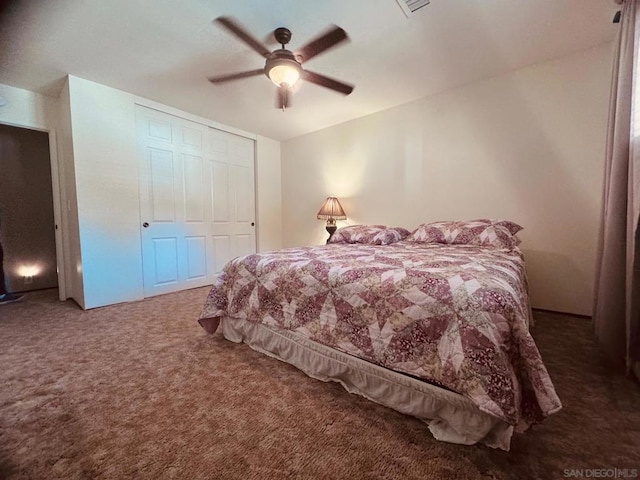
x: 282, y: 35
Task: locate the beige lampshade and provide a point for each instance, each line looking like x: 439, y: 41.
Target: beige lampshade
x: 331, y: 210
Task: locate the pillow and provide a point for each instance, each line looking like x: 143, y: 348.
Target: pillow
x: 484, y: 232
x: 512, y: 227
x: 369, y: 234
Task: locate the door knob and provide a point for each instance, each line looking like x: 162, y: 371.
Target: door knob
x: 145, y: 224
x: 253, y: 224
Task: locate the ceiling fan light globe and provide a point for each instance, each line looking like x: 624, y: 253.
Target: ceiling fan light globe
x: 284, y: 73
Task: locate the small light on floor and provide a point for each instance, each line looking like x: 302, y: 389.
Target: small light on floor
x: 29, y: 271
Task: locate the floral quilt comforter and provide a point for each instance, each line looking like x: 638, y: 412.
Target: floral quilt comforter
x: 454, y: 315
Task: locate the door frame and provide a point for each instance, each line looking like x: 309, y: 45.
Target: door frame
x: 59, y: 216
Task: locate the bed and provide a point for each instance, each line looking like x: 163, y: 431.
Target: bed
x: 433, y: 323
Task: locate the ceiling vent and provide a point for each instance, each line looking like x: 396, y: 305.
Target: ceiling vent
x: 410, y: 6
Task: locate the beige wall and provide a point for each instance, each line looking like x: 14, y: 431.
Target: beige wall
x: 526, y: 146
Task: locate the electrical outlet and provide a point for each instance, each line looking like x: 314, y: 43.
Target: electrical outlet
x: 28, y: 280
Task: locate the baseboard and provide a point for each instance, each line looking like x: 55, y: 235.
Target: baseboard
x: 576, y: 315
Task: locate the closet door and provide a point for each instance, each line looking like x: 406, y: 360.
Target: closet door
x: 233, y: 202
x: 179, y: 188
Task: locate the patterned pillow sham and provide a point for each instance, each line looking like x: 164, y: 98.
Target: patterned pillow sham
x: 484, y: 232
x: 369, y: 234
x: 509, y: 225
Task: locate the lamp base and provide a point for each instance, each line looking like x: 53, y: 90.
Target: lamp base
x: 331, y: 228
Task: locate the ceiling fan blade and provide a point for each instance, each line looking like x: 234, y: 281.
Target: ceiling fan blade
x: 324, y: 42
x: 231, y: 25
x: 283, y: 99
x: 236, y: 76
x: 327, y: 82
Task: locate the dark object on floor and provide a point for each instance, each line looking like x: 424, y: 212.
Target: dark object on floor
x: 5, y: 296
x: 10, y: 298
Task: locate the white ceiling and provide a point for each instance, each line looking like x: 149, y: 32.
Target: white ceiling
x: 165, y: 49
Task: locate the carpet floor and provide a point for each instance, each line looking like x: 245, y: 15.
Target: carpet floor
x: 138, y: 390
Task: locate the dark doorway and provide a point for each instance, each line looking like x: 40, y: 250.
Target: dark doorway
x: 27, y: 226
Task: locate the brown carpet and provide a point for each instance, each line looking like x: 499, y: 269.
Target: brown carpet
x: 139, y: 391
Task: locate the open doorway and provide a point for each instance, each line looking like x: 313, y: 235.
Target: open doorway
x: 27, y: 224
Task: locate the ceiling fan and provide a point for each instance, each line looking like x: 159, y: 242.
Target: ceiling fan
x: 284, y: 67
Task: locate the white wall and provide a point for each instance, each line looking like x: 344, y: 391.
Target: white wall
x: 104, y: 152
x: 28, y: 109
x: 268, y: 194
x: 526, y: 146
x: 69, y: 200
x: 106, y: 174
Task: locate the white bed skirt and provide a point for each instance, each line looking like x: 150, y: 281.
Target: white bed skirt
x: 451, y: 417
